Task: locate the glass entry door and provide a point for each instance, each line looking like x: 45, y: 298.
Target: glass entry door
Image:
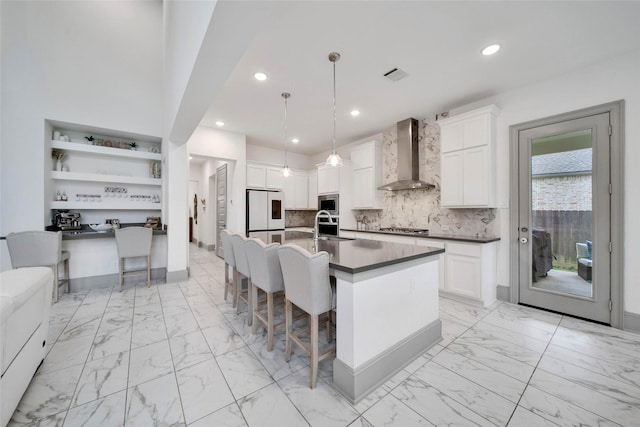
x: 564, y: 217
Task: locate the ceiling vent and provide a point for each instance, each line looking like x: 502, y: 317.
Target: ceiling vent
x: 395, y: 74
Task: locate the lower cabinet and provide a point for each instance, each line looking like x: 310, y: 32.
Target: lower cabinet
x: 468, y: 271
x: 471, y: 272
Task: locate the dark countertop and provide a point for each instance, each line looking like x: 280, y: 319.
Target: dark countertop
x: 87, y: 233
x: 459, y: 238
x: 358, y: 255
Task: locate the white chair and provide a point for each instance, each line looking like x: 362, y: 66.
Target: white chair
x: 40, y: 249
x: 306, y: 284
x: 134, y: 242
x: 229, y: 262
x: 266, y: 275
x: 242, y: 272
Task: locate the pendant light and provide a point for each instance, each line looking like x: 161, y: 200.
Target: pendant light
x: 285, y: 169
x: 334, y: 158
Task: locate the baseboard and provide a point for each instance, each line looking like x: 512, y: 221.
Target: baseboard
x: 211, y: 248
x: 356, y: 384
x: 631, y: 322
x: 109, y: 280
x: 503, y: 293
x: 177, y: 276
x: 200, y: 244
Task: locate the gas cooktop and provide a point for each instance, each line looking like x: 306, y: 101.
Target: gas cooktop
x: 406, y: 230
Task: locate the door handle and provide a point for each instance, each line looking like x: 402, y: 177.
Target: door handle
x: 523, y: 240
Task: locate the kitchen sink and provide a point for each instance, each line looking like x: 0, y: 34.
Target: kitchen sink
x: 334, y: 238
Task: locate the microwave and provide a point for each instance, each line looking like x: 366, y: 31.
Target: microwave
x: 330, y: 203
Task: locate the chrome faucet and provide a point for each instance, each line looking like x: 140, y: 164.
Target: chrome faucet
x: 315, y: 223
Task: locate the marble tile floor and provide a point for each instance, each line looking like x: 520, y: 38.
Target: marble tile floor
x: 178, y: 354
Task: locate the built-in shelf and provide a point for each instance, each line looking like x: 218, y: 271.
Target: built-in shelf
x: 105, y: 151
x: 107, y: 205
x: 94, y: 177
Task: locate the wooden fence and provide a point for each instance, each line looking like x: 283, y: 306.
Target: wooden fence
x: 566, y: 229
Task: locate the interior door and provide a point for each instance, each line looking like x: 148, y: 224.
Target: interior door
x: 564, y: 210
x: 221, y: 206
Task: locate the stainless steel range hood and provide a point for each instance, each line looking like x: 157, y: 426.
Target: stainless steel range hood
x: 408, y: 162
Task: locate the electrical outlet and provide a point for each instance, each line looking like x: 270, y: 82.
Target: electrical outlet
x: 445, y: 228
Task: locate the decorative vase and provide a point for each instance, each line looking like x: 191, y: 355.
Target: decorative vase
x: 59, y: 165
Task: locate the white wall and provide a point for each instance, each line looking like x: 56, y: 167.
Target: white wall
x: 230, y: 147
x: 612, y: 80
x: 63, y: 60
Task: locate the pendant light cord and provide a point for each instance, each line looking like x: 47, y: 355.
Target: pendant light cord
x: 285, y: 131
x: 334, y: 106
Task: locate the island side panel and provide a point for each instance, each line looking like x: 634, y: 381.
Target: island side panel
x: 385, y: 318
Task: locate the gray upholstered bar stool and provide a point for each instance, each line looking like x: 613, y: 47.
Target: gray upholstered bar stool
x: 134, y: 242
x: 229, y: 263
x: 242, y: 272
x: 266, y: 275
x: 306, y: 284
x: 40, y: 249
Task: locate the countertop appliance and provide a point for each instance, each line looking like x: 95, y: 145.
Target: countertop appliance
x: 329, y: 203
x: 265, y: 210
x: 68, y: 220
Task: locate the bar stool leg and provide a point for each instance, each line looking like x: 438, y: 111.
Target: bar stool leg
x: 56, y: 283
x: 226, y: 280
x: 289, y: 329
x: 314, y: 351
x: 269, y: 320
x: 121, y: 278
x: 148, y: 271
x: 249, y: 303
x: 252, y: 314
x: 66, y: 275
x: 236, y: 287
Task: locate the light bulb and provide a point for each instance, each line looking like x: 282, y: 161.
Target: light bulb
x: 286, y: 172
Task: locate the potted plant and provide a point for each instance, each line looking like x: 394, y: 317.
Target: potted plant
x: 133, y: 145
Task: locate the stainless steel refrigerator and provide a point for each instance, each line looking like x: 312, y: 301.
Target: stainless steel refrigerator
x: 265, y: 210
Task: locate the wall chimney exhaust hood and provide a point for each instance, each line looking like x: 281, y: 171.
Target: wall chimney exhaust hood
x: 408, y: 162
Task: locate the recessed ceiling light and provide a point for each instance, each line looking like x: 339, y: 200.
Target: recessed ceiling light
x: 190, y: 157
x: 295, y: 140
x: 220, y: 123
x: 260, y: 76
x: 491, y: 49
x: 355, y: 113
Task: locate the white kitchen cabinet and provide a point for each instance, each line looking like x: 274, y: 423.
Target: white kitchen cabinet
x: 328, y: 179
x: 264, y: 177
x: 296, y: 190
x: 313, y: 189
x: 274, y: 179
x: 471, y: 272
x: 366, y: 160
x: 256, y: 176
x: 467, y: 167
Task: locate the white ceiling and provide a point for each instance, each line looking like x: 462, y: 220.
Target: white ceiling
x: 437, y: 43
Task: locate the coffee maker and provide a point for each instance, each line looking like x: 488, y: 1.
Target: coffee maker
x: 66, y: 220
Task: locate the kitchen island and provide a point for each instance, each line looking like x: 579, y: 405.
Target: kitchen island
x: 387, y: 307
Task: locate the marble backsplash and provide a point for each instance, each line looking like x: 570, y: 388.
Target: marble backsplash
x: 421, y: 208
x: 299, y: 218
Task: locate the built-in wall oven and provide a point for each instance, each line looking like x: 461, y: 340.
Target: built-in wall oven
x: 330, y: 203
x: 327, y: 227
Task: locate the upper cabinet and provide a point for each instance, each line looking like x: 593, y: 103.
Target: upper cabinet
x: 296, y: 191
x: 92, y: 172
x: 264, y: 177
x: 366, y: 160
x: 467, y: 167
x: 328, y: 179
x: 313, y: 189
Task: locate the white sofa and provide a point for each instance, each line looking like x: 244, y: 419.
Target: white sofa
x: 25, y: 303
